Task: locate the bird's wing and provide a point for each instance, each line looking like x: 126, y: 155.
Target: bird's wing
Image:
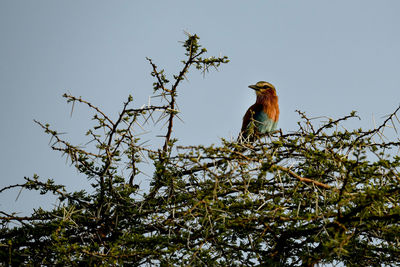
x: 250, y: 113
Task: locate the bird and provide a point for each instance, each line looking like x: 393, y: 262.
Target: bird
x: 262, y: 117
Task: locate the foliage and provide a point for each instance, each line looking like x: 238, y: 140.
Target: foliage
x: 323, y: 194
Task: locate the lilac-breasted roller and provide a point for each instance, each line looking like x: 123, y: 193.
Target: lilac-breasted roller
x: 262, y: 117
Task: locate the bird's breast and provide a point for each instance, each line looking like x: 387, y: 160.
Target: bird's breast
x: 271, y: 108
x: 264, y: 122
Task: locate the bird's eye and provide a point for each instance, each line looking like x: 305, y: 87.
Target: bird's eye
x: 265, y: 87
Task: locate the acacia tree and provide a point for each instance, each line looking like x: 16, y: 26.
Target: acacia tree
x: 322, y: 194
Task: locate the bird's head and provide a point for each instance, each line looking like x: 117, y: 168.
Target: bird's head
x: 263, y: 88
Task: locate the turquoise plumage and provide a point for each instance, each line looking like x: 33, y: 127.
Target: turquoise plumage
x: 263, y: 123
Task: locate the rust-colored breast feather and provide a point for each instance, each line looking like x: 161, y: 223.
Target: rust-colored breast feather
x: 271, y: 107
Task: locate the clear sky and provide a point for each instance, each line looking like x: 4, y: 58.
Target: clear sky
x: 326, y: 58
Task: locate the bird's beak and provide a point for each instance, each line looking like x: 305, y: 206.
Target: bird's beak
x: 254, y: 87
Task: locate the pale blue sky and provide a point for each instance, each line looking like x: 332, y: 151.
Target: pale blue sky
x: 324, y: 57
